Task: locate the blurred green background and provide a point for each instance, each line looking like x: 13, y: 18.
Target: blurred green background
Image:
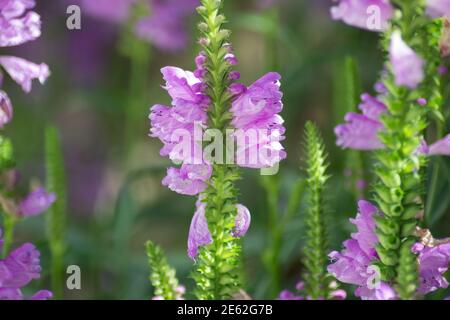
x: 116, y: 201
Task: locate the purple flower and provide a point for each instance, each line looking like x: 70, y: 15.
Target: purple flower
x: 24, y: 72
x: 352, y: 265
x: 289, y: 295
x: 6, y: 110
x: 36, y: 202
x: 199, y: 234
x: 18, y: 25
x: 361, y: 130
x: 438, y: 8
x: 440, y: 147
x: 243, y: 219
x: 336, y: 294
x: 256, y: 112
x: 373, y: 15
x: 17, y: 270
x: 190, y: 179
x: 116, y: 11
x: 188, y: 111
x: 434, y: 263
x: 406, y: 64
x: 165, y: 27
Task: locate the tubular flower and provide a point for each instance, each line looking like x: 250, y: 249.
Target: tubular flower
x: 354, y: 264
x: 407, y: 66
x: 36, y: 202
x: 199, y: 234
x: 256, y: 112
x: 17, y: 270
x: 361, y: 130
x: 19, y: 25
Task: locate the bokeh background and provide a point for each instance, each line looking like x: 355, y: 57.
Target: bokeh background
x: 99, y: 95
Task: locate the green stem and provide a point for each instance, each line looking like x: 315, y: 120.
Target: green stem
x: 9, y: 223
x: 217, y: 275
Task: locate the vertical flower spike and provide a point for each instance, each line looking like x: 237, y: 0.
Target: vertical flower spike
x: 217, y: 274
x: 399, y: 169
x: 162, y: 277
x: 406, y: 64
x: 411, y: 90
x: 316, y: 248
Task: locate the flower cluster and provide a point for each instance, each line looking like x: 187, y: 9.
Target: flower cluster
x: 356, y: 263
x: 361, y: 130
x: 336, y: 294
x: 19, y: 25
x: 17, y: 270
x: 164, y: 27
x: 199, y: 234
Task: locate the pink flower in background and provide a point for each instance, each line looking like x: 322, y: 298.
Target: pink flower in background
x: 116, y: 11
x: 165, y: 27
x: 36, y: 202
x: 6, y: 110
x: 351, y: 265
x: 407, y: 66
x: 17, y: 270
x: 373, y: 15
x: 441, y: 147
x: 199, y: 234
x: 18, y: 25
x: 438, y: 8
x: 361, y: 130
x: 256, y: 110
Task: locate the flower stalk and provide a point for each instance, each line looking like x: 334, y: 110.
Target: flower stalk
x: 217, y: 275
x: 400, y: 168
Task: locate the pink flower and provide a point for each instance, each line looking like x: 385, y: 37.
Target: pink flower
x: 23, y: 71
x: 351, y: 265
x: 199, y: 234
x: 165, y: 26
x: 361, y: 130
x: 17, y: 270
x: 260, y: 127
x: 36, y: 202
x: 116, y: 11
x: 440, y: 147
x: 434, y: 263
x: 406, y: 64
x: 190, y: 179
x: 373, y: 15
x: 6, y: 110
x: 438, y: 8
x: 18, y: 25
